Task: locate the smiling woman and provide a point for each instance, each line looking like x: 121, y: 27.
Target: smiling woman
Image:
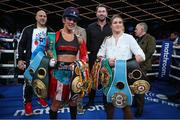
x: 67, y: 47
x: 119, y: 46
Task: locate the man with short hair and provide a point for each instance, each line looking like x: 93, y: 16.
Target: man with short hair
x: 30, y: 39
x: 96, y: 32
x: 174, y: 36
x: 148, y: 45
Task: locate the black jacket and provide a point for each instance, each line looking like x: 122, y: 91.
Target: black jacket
x: 24, y: 48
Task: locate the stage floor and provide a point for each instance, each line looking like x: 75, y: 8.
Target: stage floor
x: 156, y: 105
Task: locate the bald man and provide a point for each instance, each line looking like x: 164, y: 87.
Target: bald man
x: 30, y: 38
x: 148, y: 44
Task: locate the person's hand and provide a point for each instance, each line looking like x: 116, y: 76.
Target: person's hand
x: 49, y: 53
x: 21, y: 64
x: 112, y: 61
x: 52, y: 62
x: 139, y: 59
x: 176, y: 46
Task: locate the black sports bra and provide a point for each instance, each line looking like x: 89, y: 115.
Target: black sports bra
x: 67, y: 47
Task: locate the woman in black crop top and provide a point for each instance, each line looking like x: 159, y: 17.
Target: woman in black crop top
x: 67, y: 47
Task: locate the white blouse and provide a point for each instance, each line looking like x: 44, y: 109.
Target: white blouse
x: 123, y: 50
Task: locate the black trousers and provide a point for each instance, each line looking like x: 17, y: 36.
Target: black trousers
x: 139, y: 99
x: 27, y: 92
x: 139, y: 102
x: 109, y: 109
x: 53, y: 115
x: 92, y: 93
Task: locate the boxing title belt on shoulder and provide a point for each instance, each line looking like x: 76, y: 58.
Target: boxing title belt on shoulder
x: 29, y: 72
x: 39, y: 48
x: 119, y: 92
x: 136, y: 78
x: 37, y: 74
x: 81, y: 82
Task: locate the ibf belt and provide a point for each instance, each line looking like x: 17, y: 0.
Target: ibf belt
x: 119, y: 92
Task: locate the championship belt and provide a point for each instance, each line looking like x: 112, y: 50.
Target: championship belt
x: 87, y: 83
x: 119, y: 92
x: 37, y: 74
x: 95, y: 73
x: 51, y: 43
x: 105, y: 76
x: 136, y: 78
x: 81, y: 82
x: 39, y: 48
x: 29, y: 72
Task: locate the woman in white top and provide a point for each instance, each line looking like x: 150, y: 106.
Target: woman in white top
x: 119, y: 46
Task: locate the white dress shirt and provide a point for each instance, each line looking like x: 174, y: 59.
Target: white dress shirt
x: 124, y: 49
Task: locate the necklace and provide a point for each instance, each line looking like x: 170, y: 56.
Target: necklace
x: 67, y: 36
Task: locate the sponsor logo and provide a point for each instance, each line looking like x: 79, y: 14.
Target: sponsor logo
x: 62, y: 110
x: 165, y: 59
x: 149, y: 97
x: 159, y: 98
